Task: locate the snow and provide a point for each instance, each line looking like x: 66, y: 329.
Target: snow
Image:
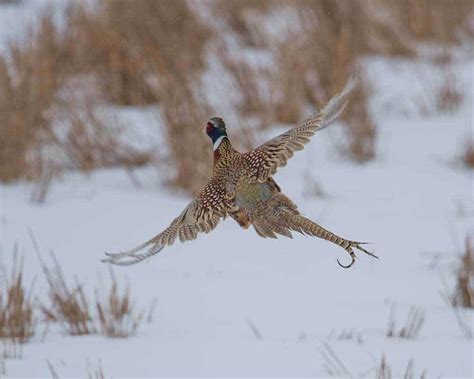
x: 413, y: 202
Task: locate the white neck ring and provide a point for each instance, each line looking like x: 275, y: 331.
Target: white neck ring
x: 218, y: 142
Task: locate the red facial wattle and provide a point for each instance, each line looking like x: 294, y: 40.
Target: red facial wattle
x: 209, y: 128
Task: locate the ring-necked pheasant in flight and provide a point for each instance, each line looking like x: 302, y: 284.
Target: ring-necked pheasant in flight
x: 242, y: 187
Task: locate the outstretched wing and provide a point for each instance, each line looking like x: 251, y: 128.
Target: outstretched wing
x: 201, y: 216
x: 264, y: 161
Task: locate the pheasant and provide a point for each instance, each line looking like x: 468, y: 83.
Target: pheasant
x: 242, y: 187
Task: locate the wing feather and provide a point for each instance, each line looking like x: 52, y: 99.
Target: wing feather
x: 264, y: 161
x: 202, y: 215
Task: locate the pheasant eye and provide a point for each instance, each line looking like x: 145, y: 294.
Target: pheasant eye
x: 209, y: 127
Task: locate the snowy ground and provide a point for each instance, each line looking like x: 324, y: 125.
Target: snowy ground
x: 414, y: 203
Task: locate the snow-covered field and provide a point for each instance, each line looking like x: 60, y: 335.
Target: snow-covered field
x: 233, y: 304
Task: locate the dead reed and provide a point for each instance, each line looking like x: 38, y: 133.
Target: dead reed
x: 96, y: 372
x: 29, y: 78
x: 68, y: 306
x: 463, y: 295
x: 448, y: 95
x: 236, y: 15
x: 412, y: 326
x: 117, y: 316
x: 468, y: 154
x: 52, y: 370
x: 333, y: 364
x: 17, y: 321
x: 32, y: 76
x: 11, y: 349
x: 156, y: 52
x: 461, y: 298
x: 384, y: 370
x: 433, y: 20
x: 136, y: 62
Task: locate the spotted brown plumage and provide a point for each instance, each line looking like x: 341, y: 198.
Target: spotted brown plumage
x: 242, y: 187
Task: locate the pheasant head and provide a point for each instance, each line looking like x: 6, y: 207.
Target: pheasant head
x: 215, y: 129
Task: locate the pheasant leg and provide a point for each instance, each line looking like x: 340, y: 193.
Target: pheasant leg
x: 309, y: 227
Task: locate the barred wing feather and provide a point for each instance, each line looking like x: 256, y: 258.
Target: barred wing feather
x: 264, y: 161
x: 201, y: 216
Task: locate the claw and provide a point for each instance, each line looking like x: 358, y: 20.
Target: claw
x: 364, y: 250
x: 350, y: 264
x: 357, y: 246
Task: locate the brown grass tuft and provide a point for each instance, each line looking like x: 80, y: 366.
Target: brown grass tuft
x: 464, y: 293
x: 68, y: 306
x: 462, y: 297
x: 17, y: 322
x: 448, y: 96
x: 116, y: 313
x: 468, y: 155
x: 384, y: 370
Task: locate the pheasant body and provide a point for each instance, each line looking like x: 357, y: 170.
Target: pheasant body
x: 243, y: 188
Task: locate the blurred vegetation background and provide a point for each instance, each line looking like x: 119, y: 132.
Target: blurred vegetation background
x: 277, y: 58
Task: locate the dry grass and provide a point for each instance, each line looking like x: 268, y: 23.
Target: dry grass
x: 52, y: 370
x: 433, y: 20
x: 468, y: 154
x: 384, y: 370
x: 68, y: 306
x: 412, y: 326
x: 315, y: 59
x: 11, y: 349
x: 93, y: 372
x: 90, y: 143
x: 335, y: 367
x: 27, y: 86
x: 71, y: 307
x: 17, y: 321
x: 117, y: 316
x: 236, y: 15
x: 333, y: 364
x: 131, y: 48
x: 448, y: 95
x: 32, y: 76
x: 348, y: 334
x: 96, y: 372
x: 463, y: 295
x: 155, y: 53
x: 136, y: 62
x: 314, y: 62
